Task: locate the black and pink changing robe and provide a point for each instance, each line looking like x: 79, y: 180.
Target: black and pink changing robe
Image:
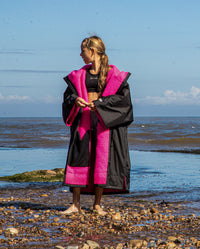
x: 111, y: 165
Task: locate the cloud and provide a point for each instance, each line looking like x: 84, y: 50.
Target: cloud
x: 171, y: 97
x: 52, y: 100
x: 15, y: 51
x: 34, y: 71
x: 14, y: 98
x: 13, y: 86
x: 25, y: 99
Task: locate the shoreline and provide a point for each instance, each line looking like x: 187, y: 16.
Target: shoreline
x: 34, y: 213
x: 131, y: 148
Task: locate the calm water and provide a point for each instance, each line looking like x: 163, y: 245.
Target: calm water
x: 41, y: 143
x: 147, y: 134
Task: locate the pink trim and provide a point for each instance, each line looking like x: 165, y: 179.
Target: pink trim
x: 72, y: 115
x: 84, y: 124
x: 114, y: 80
x: 77, y: 77
x: 102, y: 154
x: 77, y: 175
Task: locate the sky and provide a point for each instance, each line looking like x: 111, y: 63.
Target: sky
x: 157, y: 41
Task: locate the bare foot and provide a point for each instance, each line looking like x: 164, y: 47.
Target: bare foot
x: 71, y: 209
x: 99, y: 210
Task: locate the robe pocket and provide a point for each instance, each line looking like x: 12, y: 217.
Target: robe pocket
x: 78, y: 155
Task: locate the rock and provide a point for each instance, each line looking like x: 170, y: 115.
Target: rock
x: 162, y: 243
x: 173, y: 239
x: 119, y: 246
x: 85, y: 246
x: 51, y: 172
x: 154, y: 211
x: 143, y: 212
x: 198, y: 244
x: 116, y: 217
x: 137, y: 243
x: 145, y: 243
x: 59, y: 247
x: 11, y: 231
x: 56, y: 219
x: 135, y: 214
x: 80, y: 234
x: 93, y: 244
x: 170, y: 245
x: 72, y: 247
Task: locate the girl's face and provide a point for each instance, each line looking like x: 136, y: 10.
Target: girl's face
x: 87, y: 55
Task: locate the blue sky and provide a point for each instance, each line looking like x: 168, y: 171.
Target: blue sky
x: 157, y: 41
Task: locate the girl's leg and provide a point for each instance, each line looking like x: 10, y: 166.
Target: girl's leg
x: 75, y: 207
x: 97, y: 201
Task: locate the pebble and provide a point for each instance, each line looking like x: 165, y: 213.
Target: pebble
x: 119, y: 246
x: 170, y: 245
x: 173, y: 239
x: 93, y: 244
x: 85, y: 246
x: 198, y: 244
x: 56, y: 219
x: 51, y: 172
x: 138, y: 243
x: 154, y: 210
x: 12, y: 231
x: 72, y: 247
x: 116, y: 217
x: 143, y: 212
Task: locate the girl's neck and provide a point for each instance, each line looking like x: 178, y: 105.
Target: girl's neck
x: 95, y: 68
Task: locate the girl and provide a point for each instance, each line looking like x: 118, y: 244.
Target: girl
x: 97, y: 106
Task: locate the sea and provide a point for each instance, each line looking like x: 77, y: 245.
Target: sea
x: 164, y: 153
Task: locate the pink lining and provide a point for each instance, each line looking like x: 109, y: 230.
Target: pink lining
x: 84, y: 124
x: 114, y: 80
x: 77, y: 175
x: 72, y: 115
x: 77, y: 77
x: 102, y: 154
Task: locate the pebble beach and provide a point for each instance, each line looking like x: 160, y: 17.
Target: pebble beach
x: 30, y: 218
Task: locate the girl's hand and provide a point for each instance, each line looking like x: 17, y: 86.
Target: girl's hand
x: 92, y: 106
x: 81, y: 102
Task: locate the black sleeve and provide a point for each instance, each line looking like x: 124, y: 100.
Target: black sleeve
x: 116, y: 110
x: 69, y: 98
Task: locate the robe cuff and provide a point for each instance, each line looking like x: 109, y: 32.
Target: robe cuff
x: 72, y: 114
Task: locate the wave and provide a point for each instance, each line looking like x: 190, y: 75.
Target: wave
x: 181, y: 141
x: 145, y: 134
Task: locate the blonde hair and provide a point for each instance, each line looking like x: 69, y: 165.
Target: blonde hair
x: 96, y: 43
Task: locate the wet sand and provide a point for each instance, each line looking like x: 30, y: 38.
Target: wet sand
x: 131, y: 222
